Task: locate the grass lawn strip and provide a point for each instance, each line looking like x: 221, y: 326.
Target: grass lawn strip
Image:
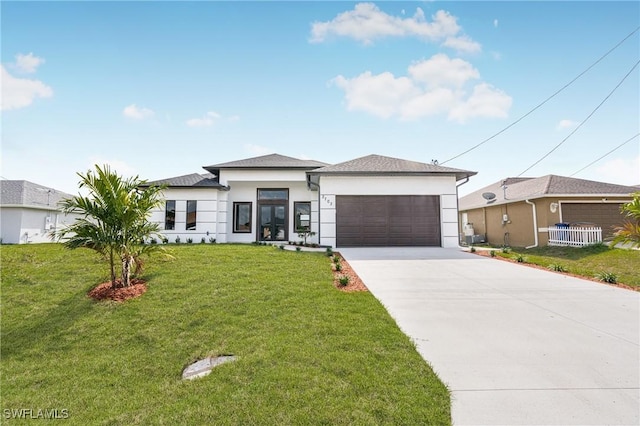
x: 307, y: 353
x: 585, y: 262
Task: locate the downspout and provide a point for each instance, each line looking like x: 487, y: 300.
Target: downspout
x: 458, y: 205
x: 535, y: 225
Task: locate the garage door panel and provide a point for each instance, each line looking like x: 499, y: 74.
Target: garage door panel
x: 604, y: 215
x: 392, y: 220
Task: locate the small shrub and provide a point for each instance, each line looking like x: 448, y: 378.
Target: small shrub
x: 165, y: 240
x: 153, y: 241
x: 282, y: 247
x: 343, y: 280
x: 492, y: 253
x: 212, y: 240
x: 557, y: 267
x: 472, y: 249
x: 203, y: 240
x: 178, y: 239
x: 298, y: 248
x: 607, y: 277
x: 506, y: 249
x: 189, y: 240
x: 520, y: 258
x: 335, y: 258
x: 329, y: 251
x: 338, y: 266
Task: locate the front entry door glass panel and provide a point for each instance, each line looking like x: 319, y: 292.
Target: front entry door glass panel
x: 272, y: 223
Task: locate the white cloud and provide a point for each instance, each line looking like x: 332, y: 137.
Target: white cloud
x: 27, y: 63
x: 462, y: 43
x: 234, y: 118
x: 623, y: 171
x: 485, y: 101
x: 137, y: 113
x: 366, y: 23
x: 440, y: 70
x: 257, y: 150
x: 566, y: 124
x: 495, y: 23
x: 381, y: 95
x: 20, y: 92
x: 207, y: 120
x: 433, y: 86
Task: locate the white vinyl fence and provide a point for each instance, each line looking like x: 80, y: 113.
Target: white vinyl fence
x: 574, y: 236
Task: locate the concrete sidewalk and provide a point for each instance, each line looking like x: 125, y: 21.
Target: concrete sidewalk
x: 516, y: 345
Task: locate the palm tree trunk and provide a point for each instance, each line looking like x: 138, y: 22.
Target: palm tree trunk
x: 126, y: 270
x: 113, y: 269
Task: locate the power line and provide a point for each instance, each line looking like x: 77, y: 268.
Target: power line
x: 545, y: 101
x: 583, y: 121
x: 614, y: 149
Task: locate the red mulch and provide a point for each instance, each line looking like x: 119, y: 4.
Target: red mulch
x: 120, y: 294
x: 486, y: 253
x: 355, y: 283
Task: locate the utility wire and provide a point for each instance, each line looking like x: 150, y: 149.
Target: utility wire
x: 600, y: 158
x: 545, y: 101
x: 583, y: 121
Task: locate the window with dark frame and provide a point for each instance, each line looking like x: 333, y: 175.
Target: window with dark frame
x: 170, y: 215
x: 192, y: 207
x: 242, y: 217
x: 273, y: 194
x: 302, y: 214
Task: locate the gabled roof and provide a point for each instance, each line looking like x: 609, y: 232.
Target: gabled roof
x: 379, y: 164
x: 193, y: 180
x: 518, y: 189
x: 271, y: 161
x: 29, y: 194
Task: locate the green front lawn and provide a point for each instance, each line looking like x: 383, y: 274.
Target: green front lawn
x: 586, y: 261
x: 307, y: 353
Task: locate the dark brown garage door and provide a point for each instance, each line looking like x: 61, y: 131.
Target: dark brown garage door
x: 387, y: 220
x: 605, y: 215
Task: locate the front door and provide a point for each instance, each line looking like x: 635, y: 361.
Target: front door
x: 272, y: 222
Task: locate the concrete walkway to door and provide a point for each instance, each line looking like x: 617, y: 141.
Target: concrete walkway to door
x: 516, y: 345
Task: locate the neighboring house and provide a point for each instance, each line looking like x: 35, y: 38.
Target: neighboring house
x: 369, y: 201
x: 518, y: 211
x: 29, y: 212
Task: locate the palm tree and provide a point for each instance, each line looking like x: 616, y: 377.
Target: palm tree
x: 629, y: 232
x: 114, y: 218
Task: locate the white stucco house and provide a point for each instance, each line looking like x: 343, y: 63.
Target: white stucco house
x: 369, y: 201
x: 29, y: 212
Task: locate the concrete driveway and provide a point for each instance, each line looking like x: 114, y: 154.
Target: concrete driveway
x: 516, y: 345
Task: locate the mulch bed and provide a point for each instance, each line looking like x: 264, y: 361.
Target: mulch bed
x: 486, y: 253
x: 120, y: 294
x: 355, y: 283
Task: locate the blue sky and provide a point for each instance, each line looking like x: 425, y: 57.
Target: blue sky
x: 160, y: 89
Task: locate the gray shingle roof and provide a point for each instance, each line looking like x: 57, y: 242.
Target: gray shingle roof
x: 271, y: 161
x: 193, y: 180
x: 518, y: 189
x: 379, y: 164
x: 29, y: 194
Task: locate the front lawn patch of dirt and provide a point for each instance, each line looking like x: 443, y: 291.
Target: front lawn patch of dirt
x: 119, y: 294
x: 355, y: 283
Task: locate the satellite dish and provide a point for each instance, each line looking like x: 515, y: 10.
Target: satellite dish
x: 488, y: 196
